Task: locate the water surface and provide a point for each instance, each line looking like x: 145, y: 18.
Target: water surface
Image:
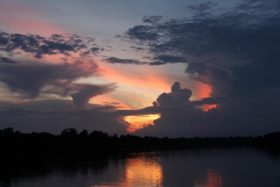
x: 208, y: 168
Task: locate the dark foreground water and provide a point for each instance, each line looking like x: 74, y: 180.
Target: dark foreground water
x: 208, y: 168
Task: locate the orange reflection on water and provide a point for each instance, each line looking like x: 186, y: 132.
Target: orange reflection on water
x: 140, y: 171
x: 143, y: 172
x: 214, y: 179
x: 138, y: 122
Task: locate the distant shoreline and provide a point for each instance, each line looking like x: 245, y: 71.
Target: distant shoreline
x: 85, y: 146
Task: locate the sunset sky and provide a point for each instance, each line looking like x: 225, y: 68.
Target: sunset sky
x: 150, y: 67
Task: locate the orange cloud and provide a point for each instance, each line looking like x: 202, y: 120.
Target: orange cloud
x: 136, y: 123
x: 202, y: 91
x: 138, y: 88
x: 146, y: 78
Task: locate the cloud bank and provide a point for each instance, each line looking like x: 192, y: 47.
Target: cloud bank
x: 234, y: 50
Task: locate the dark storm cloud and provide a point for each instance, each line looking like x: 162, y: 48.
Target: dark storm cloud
x: 32, y: 77
x: 39, y: 46
x: 181, y: 117
x: 159, y: 60
x: 177, y: 96
x: 115, y: 60
x: 163, y: 59
x: 237, y: 49
x: 181, y: 97
x: 144, y: 32
x: 209, y: 101
x: 86, y: 91
x: 29, y: 78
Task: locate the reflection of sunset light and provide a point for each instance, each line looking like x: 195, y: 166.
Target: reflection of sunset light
x: 138, y: 122
x: 139, y: 172
x: 214, y: 179
x: 143, y: 172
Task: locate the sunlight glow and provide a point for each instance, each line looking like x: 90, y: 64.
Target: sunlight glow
x: 138, y: 122
x: 146, y: 83
x: 203, y: 91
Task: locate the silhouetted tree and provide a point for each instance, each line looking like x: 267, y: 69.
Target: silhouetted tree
x: 99, y: 135
x: 7, y: 131
x: 71, y: 132
x: 84, y: 133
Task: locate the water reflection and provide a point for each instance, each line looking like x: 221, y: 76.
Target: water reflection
x: 216, y: 168
x: 214, y: 179
x: 143, y: 172
x: 140, y: 171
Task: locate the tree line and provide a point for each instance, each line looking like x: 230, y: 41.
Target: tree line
x: 87, y: 145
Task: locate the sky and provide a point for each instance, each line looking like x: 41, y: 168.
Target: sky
x: 151, y: 67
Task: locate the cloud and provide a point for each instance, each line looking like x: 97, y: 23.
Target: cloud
x: 38, y: 46
x: 152, y: 19
x: 180, y: 117
x: 159, y: 60
x: 177, y: 96
x: 144, y: 33
x: 167, y: 59
x: 30, y: 78
x: 39, y: 65
x: 174, y: 108
x: 115, y: 60
x: 235, y: 51
x: 86, y: 91
x: 231, y: 49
